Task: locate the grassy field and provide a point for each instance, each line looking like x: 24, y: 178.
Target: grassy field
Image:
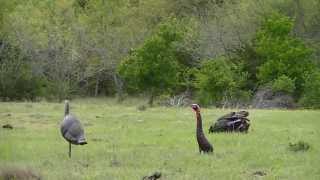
x: 124, y: 143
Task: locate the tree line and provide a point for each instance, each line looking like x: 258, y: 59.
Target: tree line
x: 221, y: 51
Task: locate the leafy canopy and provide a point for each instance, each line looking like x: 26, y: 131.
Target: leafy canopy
x: 154, y: 66
x: 311, y: 94
x: 282, y: 53
x: 283, y: 84
x: 218, y: 79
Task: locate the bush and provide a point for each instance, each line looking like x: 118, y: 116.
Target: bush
x: 218, y: 80
x: 311, y: 93
x: 283, y: 54
x: 283, y: 84
x: 154, y: 68
x: 17, y: 81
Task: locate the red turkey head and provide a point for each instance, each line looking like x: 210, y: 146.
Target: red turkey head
x: 195, y: 107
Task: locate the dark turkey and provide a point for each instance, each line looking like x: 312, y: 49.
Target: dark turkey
x: 231, y: 122
x: 204, y: 145
x: 71, y: 129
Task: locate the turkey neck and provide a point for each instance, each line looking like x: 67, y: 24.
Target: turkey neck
x: 199, y: 123
x: 66, y: 109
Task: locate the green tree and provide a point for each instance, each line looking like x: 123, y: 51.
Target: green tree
x: 311, y: 94
x: 282, y: 54
x: 154, y: 67
x: 17, y: 81
x: 283, y: 84
x: 218, y: 80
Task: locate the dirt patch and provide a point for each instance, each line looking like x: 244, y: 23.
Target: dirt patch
x: 18, y: 174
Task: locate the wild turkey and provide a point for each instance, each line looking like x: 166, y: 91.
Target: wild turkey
x: 71, y: 129
x: 204, y: 145
x: 231, y: 122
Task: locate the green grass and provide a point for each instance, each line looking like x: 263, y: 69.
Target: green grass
x: 124, y: 143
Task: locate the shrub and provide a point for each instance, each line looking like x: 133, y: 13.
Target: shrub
x: 283, y: 54
x: 154, y: 68
x: 311, y: 93
x: 218, y: 80
x: 17, y: 81
x: 283, y: 84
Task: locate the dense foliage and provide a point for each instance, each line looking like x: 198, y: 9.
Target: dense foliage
x: 218, y: 80
x: 278, y: 59
x: 283, y: 84
x: 17, y: 80
x: 220, y: 52
x: 311, y: 95
x: 154, y: 67
x: 282, y: 54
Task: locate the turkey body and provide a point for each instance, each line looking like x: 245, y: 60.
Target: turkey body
x: 204, y: 145
x: 71, y: 129
x: 231, y: 122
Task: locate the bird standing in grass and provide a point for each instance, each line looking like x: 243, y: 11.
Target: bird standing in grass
x: 71, y: 129
x: 204, y: 145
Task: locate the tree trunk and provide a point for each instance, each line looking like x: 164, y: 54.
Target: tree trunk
x: 150, y: 102
x: 119, y: 87
x: 96, y: 90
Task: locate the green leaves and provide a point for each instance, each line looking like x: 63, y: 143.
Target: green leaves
x: 16, y: 78
x: 154, y: 66
x: 282, y: 54
x: 276, y: 26
x: 311, y: 94
x: 218, y: 79
x: 283, y: 84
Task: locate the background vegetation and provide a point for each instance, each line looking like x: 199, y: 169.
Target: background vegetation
x: 219, y: 51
